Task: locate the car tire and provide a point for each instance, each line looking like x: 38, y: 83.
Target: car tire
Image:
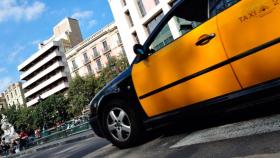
x: 121, y: 124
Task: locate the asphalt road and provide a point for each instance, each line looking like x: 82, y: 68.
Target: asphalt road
x: 241, y: 137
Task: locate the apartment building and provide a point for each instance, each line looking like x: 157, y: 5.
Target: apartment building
x: 46, y: 71
x: 3, y: 103
x: 91, y: 55
x: 136, y: 19
x: 14, y: 95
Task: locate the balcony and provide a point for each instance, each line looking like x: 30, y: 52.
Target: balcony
x: 45, y: 84
x: 42, y: 74
x: 38, y: 54
x: 40, y: 64
x: 56, y: 89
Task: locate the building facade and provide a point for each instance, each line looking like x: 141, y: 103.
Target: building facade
x: 46, y: 72
x: 3, y: 103
x: 14, y: 95
x: 136, y: 19
x: 91, y: 55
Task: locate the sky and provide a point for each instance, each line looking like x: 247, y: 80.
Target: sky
x: 25, y: 23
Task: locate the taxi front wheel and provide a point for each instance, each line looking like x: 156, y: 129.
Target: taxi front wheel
x: 121, y: 123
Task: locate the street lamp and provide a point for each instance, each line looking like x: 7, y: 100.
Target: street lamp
x: 44, y: 120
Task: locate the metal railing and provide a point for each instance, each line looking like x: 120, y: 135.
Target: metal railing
x: 60, y: 134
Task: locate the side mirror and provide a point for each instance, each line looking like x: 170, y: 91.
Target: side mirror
x: 138, y: 49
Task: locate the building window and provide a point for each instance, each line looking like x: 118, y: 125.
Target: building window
x: 74, y: 64
x: 119, y: 39
x: 99, y: 65
x: 123, y: 2
x: 153, y: 23
x: 108, y: 56
x: 77, y: 73
x: 95, y: 52
x: 86, y: 59
x: 135, y: 37
x: 129, y: 19
x: 105, y: 46
x: 89, y: 69
x: 173, y: 2
x: 141, y: 8
x: 123, y: 51
x: 156, y: 2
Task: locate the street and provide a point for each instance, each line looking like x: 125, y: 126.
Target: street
x: 258, y: 137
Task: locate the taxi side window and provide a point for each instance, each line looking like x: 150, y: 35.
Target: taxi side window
x: 185, y: 18
x: 217, y: 6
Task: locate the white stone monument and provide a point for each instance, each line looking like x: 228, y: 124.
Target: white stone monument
x: 9, y: 131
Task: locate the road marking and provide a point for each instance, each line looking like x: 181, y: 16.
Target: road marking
x: 245, y: 128
x: 274, y: 155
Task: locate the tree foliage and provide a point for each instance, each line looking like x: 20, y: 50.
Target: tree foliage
x: 47, y: 112
x: 60, y: 107
x: 111, y: 70
x: 81, y: 90
x: 51, y: 111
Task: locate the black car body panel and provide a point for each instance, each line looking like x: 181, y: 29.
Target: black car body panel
x: 121, y: 86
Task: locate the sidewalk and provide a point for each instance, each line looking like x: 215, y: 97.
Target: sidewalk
x: 74, y: 138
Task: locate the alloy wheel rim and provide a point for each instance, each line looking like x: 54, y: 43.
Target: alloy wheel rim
x: 118, y: 124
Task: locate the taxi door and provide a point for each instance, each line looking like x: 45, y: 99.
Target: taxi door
x: 250, y: 31
x: 180, y: 72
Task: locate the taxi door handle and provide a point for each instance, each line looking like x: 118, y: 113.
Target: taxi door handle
x: 204, y: 39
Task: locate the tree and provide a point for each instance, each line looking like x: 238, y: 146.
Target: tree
x: 115, y: 66
x: 48, y: 112
x: 81, y: 90
x: 56, y: 107
x: 24, y: 119
x: 20, y: 118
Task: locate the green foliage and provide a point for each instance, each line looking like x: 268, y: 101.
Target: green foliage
x: 24, y: 118
x: 114, y: 67
x: 48, y: 112
x: 58, y: 108
x: 81, y: 90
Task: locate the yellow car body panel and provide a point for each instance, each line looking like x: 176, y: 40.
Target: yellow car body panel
x: 246, y: 25
x: 177, y: 60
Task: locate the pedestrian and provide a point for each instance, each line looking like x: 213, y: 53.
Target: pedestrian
x: 23, y: 137
x: 5, y: 147
x: 37, y: 133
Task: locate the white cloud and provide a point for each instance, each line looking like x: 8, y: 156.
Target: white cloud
x: 33, y: 11
x: 80, y: 15
x: 92, y: 23
x: 5, y: 82
x: 2, y: 69
x: 20, y: 10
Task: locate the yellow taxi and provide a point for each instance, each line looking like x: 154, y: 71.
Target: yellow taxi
x: 202, y: 54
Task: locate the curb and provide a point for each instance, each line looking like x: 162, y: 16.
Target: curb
x: 29, y: 151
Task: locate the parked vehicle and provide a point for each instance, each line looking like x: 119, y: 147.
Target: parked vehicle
x: 202, y: 55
